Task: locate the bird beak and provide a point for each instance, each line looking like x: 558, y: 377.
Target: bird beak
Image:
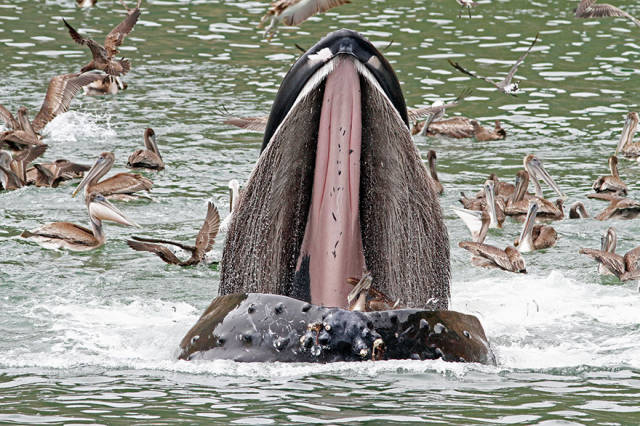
x: 95, y: 170
x: 104, y: 210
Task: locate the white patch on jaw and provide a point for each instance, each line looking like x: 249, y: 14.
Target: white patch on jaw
x: 375, y: 62
x: 323, y: 55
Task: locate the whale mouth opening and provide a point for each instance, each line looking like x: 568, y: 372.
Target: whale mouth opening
x: 339, y: 188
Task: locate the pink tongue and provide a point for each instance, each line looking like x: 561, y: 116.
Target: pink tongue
x: 332, y: 236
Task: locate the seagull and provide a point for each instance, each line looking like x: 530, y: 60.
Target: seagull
x: 468, y: 4
x: 588, y: 9
x: 295, y: 12
x: 505, y: 86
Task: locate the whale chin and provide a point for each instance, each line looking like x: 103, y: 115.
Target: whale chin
x: 339, y: 188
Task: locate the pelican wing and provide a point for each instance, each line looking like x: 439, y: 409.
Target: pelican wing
x: 122, y: 183
x: 28, y: 155
x: 512, y: 72
x: 61, y: 91
x: 9, y: 119
x: 19, y: 139
x: 499, y: 257
x: 631, y: 259
x: 161, y: 241
x: 161, y: 251
x: 207, y: 235
x: 145, y: 158
x: 115, y: 38
x: 258, y: 124
x: 614, y: 262
x: 65, y: 231
x: 604, y: 196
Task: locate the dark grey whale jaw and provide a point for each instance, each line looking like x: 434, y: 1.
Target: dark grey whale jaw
x: 265, y: 327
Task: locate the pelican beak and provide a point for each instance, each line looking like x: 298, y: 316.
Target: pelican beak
x: 491, y: 202
x: 102, y: 209
x: 541, y: 172
x: 150, y: 141
x: 91, y: 174
x: 628, y: 130
x: 527, y: 228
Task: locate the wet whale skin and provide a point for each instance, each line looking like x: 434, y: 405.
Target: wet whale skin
x: 258, y: 327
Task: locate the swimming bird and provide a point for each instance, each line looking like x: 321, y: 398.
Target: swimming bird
x: 121, y: 185
x: 437, y: 186
x: 476, y: 221
x: 624, y: 267
x: 503, y: 190
x: 109, y: 85
x: 482, y: 134
x: 22, y: 135
x: 14, y: 168
x: 626, y: 146
x: 204, y: 242
x: 460, y: 128
x: 578, y: 211
x: 78, y: 238
x: 60, y: 92
x: 484, y: 202
x: 611, y: 184
x: 148, y: 158
x: 8, y: 178
x: 468, y: 4
x: 295, y: 12
x: 488, y: 256
x: 535, y: 237
x: 588, y: 9
x: 620, y: 208
x: 505, y: 86
x: 103, y: 56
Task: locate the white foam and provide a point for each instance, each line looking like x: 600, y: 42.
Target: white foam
x: 73, y: 126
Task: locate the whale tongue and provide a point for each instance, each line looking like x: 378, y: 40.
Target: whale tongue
x: 332, y: 238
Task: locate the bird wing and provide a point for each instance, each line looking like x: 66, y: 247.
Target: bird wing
x: 584, y: 5
x: 123, y: 183
x: 75, y: 35
x: 469, y: 73
x: 259, y: 124
x: 499, y: 257
x: 512, y: 72
x: 115, y: 38
x: 9, y: 119
x: 161, y: 251
x: 207, y: 235
x: 416, y: 114
x: 61, y: 91
x: 614, y: 262
x: 605, y: 10
x: 631, y: 259
x: 66, y: 231
x: 298, y: 12
x: 30, y: 154
x: 145, y: 158
x: 161, y: 241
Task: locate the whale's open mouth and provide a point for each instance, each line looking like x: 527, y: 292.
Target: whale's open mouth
x: 339, y: 189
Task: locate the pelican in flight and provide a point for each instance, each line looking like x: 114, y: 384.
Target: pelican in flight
x: 295, y: 12
x: 121, y: 185
x: 103, y: 56
x: 535, y: 237
x: 13, y: 169
x: 505, y: 86
x: 611, y: 184
x: 60, y: 93
x: 589, y: 9
x: 626, y: 146
x: 624, y: 267
x: 204, y: 242
x: 78, y: 238
x: 148, y: 158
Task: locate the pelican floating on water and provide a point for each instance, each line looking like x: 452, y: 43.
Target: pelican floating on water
x: 52, y: 174
x: 78, y: 238
x: 486, y: 202
x: 103, y: 56
x: 620, y: 208
x: 535, y: 237
x: 626, y: 146
x: 13, y: 173
x: 148, y: 158
x: 204, y: 242
x: 611, y: 184
x: 121, y: 185
x: 488, y: 256
x: 460, y: 128
x: 624, y: 267
x: 578, y: 211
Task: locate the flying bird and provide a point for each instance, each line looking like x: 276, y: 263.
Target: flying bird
x: 103, y: 56
x: 295, y: 12
x: 589, y: 9
x: 468, y: 4
x: 505, y: 86
x: 204, y: 242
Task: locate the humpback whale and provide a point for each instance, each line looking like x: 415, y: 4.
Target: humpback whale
x: 339, y: 189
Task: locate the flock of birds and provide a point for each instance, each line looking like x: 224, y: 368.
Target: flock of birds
x: 22, y: 144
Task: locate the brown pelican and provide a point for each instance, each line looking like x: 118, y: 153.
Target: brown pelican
x: 505, y: 86
x: 482, y: 134
x: 626, y: 146
x: 502, y: 190
x: 487, y: 202
x: 588, y: 9
x: 620, y: 208
x: 103, y: 56
x: 332, y: 194
x: 9, y: 180
x: 148, y: 158
x: 295, y: 12
x: 121, y: 185
x: 624, y: 267
x: 437, y: 186
x: 365, y: 298
x: 108, y: 85
x: 460, y: 128
x: 468, y: 4
x: 535, y: 237
x: 476, y: 221
x: 22, y: 135
x: 204, y: 242
x: 51, y: 174
x: 433, y: 113
x: 60, y: 93
x: 611, y: 184
x: 14, y: 168
x: 78, y: 238
x: 578, y: 211
x: 488, y: 256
